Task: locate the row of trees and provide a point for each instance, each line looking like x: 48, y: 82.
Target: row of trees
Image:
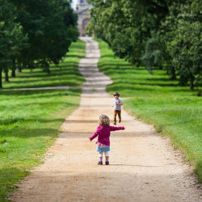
x: 34, y: 33
x: 157, y: 33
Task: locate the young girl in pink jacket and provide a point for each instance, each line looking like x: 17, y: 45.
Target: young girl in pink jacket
x: 103, y: 133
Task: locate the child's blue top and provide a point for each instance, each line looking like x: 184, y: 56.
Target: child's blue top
x: 116, y: 106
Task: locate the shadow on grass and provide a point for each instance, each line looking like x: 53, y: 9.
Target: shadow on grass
x: 29, y: 133
x: 134, y: 82
x: 46, y: 80
x: 59, y: 74
x: 49, y: 84
x: 52, y: 74
x: 107, y: 56
x: 115, y: 66
x: 39, y: 93
x: 134, y: 85
x: 132, y: 88
x: 112, y: 69
x: 15, y: 120
x: 72, y: 56
x: 8, y: 177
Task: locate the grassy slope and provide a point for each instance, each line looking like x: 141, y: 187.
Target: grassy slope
x: 174, y: 110
x: 29, y: 120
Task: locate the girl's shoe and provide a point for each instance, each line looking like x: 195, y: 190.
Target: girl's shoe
x: 114, y: 123
x: 106, y: 162
x: 119, y: 121
x: 99, y: 162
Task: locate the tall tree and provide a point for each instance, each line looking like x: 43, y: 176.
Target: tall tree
x: 160, y: 33
x: 50, y: 26
x: 11, y: 36
x: 127, y: 25
x: 183, y: 41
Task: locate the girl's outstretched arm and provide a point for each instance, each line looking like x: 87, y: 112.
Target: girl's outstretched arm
x: 95, y: 134
x: 113, y: 128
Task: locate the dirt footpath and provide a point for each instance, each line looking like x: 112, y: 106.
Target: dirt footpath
x: 143, y: 165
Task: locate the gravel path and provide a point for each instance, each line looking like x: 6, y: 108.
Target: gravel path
x: 143, y: 165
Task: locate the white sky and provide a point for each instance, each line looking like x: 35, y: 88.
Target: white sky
x: 74, y: 4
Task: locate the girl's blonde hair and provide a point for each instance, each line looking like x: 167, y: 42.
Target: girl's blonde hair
x: 104, y: 120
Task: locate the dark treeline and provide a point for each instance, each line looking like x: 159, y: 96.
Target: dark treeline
x: 165, y: 34
x: 34, y: 33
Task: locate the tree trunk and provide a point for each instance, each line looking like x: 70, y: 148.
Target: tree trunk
x: 19, y: 69
x: 1, y: 78
x: 182, y: 80
x: 6, y: 76
x: 49, y: 70
x: 13, y: 68
x: 173, y: 75
x: 192, y: 83
x: 13, y: 73
x: 167, y: 72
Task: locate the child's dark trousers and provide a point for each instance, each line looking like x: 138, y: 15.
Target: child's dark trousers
x: 119, y: 115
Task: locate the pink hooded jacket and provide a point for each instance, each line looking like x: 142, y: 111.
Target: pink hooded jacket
x: 103, y: 133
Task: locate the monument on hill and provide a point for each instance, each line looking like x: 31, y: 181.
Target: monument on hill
x: 83, y: 12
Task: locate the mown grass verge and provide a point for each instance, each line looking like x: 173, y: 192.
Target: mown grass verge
x: 174, y: 110
x: 30, y: 121
x: 65, y: 74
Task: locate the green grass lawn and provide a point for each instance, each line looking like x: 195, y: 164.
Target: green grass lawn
x: 64, y: 75
x: 154, y: 98
x: 30, y: 120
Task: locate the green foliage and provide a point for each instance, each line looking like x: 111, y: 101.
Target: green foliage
x: 35, y: 33
x: 156, y: 33
x: 185, y: 44
x: 174, y: 110
x: 12, y: 39
x: 127, y: 25
x: 49, y: 33
x: 154, y: 54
